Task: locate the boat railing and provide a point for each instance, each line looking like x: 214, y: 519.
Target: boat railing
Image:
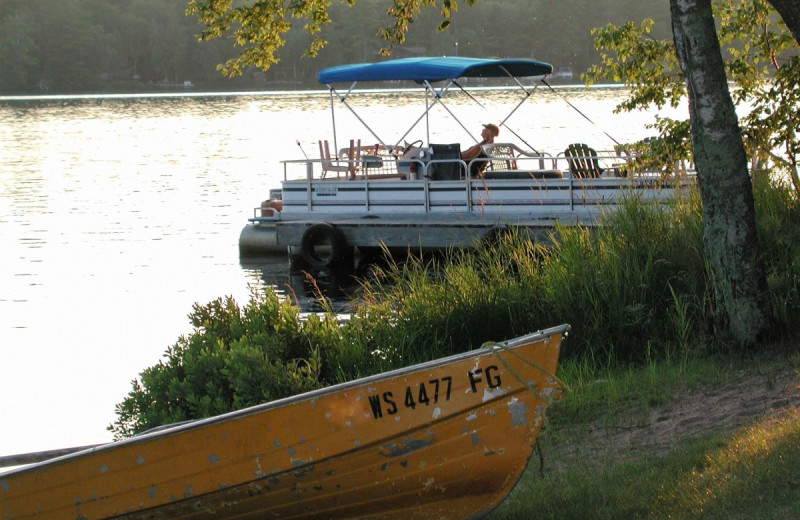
x: 500, y: 161
x: 365, y: 167
x: 374, y: 161
x: 507, y: 176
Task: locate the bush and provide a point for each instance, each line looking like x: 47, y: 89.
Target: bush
x: 235, y: 357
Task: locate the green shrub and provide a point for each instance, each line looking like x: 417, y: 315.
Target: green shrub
x: 235, y: 357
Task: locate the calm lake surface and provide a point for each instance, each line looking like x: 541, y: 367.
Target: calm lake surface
x: 118, y: 213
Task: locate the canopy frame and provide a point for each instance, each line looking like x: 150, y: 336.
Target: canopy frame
x: 426, y: 71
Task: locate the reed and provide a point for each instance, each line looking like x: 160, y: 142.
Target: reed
x: 631, y: 288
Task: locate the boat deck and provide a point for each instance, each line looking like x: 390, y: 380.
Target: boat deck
x: 425, y: 198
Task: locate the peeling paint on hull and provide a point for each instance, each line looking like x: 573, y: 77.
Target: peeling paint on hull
x: 446, y: 440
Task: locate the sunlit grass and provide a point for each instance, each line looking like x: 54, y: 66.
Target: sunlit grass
x: 749, y: 473
x: 746, y: 475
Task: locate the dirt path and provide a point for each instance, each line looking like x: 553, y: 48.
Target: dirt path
x: 690, y: 414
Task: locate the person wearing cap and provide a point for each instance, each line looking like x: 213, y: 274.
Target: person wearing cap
x: 488, y: 133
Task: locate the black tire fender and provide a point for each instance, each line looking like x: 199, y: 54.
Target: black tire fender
x: 323, y: 245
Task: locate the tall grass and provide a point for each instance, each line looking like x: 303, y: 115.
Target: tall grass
x: 778, y: 220
x: 635, y: 289
x: 631, y: 288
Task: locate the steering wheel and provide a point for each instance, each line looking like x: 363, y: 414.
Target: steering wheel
x: 418, y: 142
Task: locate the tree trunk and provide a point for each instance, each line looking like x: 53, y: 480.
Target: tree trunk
x: 729, y: 230
x: 790, y: 12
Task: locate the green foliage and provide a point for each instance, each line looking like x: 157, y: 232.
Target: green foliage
x: 235, y: 357
x: 259, y: 28
x: 762, y: 63
x: 631, y: 55
x: 755, y: 41
x: 405, y: 12
x: 770, y: 123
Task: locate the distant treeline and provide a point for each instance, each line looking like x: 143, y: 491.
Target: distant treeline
x: 78, y: 46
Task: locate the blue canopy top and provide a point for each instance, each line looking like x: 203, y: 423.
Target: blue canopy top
x: 433, y: 69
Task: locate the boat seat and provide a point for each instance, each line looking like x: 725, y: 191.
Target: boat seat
x: 350, y: 161
x: 450, y: 169
x: 502, y: 156
x: 583, y: 161
x: 508, y: 156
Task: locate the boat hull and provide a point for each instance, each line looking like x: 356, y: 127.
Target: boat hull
x: 437, y: 215
x: 446, y: 439
x: 260, y: 239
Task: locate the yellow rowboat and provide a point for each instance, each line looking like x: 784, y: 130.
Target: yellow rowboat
x: 446, y: 439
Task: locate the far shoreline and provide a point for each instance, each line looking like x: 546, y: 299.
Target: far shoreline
x: 193, y: 93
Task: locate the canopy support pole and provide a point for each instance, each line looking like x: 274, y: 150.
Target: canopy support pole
x: 333, y: 120
x: 441, y: 94
x: 437, y: 98
x: 527, y: 94
x: 578, y: 111
x: 343, y: 100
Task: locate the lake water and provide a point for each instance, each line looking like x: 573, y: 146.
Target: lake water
x: 118, y: 213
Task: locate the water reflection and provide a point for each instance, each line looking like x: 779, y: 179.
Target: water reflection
x: 313, y: 290
x: 337, y: 288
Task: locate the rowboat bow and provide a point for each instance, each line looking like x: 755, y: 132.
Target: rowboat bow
x: 446, y: 439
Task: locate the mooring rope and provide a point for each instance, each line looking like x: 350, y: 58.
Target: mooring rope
x: 529, y: 385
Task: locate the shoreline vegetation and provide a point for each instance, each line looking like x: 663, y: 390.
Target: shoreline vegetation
x: 145, y: 45
x: 666, y: 417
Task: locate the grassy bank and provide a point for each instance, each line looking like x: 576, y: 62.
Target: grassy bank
x: 716, y: 438
x: 666, y: 418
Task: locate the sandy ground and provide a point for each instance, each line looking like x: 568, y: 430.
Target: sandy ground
x: 689, y: 414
